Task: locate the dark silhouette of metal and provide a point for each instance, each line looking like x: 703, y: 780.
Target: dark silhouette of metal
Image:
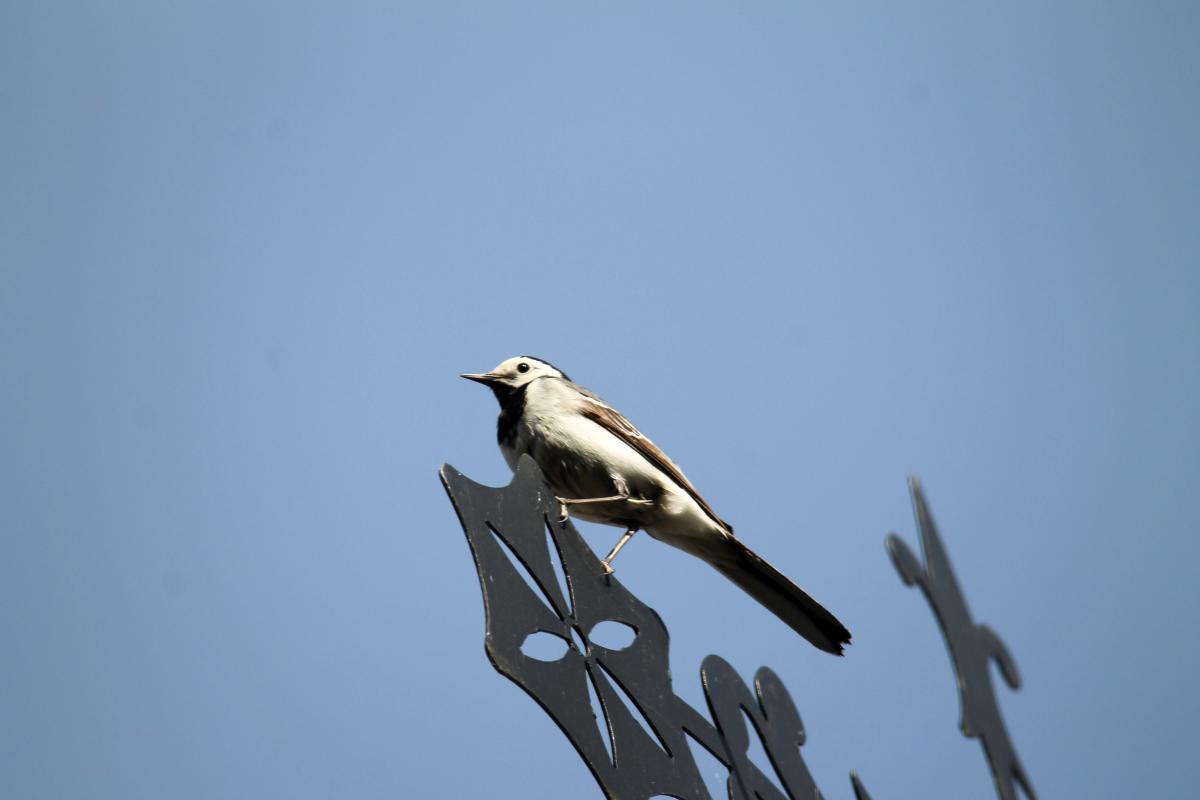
x: 640, y: 749
x: 971, y: 647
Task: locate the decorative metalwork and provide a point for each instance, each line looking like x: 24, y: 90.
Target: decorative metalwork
x: 641, y: 747
x: 971, y: 647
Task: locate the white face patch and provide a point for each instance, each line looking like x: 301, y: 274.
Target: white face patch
x: 520, y: 370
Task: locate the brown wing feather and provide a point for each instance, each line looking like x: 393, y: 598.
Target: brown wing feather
x: 611, y: 420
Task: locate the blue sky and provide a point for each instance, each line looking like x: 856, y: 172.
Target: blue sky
x: 810, y: 250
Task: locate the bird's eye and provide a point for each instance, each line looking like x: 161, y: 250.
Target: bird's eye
x: 522, y: 367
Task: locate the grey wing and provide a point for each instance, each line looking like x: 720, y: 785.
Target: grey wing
x: 615, y: 423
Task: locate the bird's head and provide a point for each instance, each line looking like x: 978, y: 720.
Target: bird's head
x: 515, y: 373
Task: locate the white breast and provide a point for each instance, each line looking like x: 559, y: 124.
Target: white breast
x: 581, y: 459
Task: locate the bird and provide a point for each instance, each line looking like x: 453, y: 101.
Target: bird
x: 603, y: 469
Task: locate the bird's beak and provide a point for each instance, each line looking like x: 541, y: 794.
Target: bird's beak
x: 485, y: 378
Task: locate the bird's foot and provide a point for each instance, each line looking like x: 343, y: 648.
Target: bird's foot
x: 563, y: 502
x: 606, y: 564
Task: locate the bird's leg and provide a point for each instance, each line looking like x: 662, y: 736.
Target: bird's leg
x: 607, y: 562
x: 563, y: 502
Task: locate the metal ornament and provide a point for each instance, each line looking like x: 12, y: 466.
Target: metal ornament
x: 971, y: 646
x: 640, y: 749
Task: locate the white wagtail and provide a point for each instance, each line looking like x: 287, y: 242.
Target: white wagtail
x: 601, y: 466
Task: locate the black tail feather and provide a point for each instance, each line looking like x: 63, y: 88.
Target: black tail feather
x: 785, y: 599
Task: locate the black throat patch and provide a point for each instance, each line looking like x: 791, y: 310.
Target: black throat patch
x: 512, y: 406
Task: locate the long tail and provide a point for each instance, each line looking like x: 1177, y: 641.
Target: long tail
x: 785, y: 599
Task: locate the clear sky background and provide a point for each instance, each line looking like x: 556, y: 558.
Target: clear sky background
x: 247, y: 248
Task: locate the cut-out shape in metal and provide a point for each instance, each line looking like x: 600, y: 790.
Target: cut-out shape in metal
x: 639, y: 749
x: 971, y: 647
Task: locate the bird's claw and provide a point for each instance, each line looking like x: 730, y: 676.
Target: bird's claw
x: 606, y: 568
